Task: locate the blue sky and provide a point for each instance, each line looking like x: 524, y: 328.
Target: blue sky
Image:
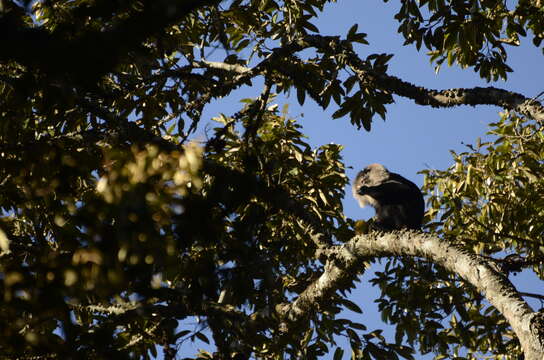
x: 413, y: 137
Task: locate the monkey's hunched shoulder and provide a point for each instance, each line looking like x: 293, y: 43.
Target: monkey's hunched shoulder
x: 390, y: 192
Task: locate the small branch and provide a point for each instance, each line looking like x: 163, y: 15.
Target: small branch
x: 536, y: 296
x: 256, y: 110
x: 509, y: 41
x: 221, y: 66
x: 115, y: 309
x: 244, y: 75
x: 515, y: 262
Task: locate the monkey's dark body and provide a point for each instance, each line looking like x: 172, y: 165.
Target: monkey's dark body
x: 398, y: 201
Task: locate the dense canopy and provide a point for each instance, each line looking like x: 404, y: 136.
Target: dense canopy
x: 125, y: 235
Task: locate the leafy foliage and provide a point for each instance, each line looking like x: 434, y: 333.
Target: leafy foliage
x: 471, y: 33
x: 490, y: 198
x: 488, y: 202
x: 120, y: 229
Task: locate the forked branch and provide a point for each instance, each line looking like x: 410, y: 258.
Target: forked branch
x: 344, y: 261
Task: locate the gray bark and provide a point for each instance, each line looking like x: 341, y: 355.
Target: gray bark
x: 345, y: 260
x: 445, y: 98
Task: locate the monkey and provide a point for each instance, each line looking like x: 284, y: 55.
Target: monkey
x: 398, y: 201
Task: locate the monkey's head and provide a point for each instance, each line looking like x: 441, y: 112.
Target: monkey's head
x: 372, y: 175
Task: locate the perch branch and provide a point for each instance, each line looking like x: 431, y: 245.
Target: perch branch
x: 344, y: 262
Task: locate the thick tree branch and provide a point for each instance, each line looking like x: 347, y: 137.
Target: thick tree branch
x: 344, y: 262
x: 61, y: 53
x: 436, y: 98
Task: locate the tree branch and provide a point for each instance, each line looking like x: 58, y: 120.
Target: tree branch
x: 60, y: 53
x: 435, y: 98
x: 536, y: 296
x: 344, y: 262
x: 332, y: 45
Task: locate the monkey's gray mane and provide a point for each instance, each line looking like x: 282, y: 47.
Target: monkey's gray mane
x: 373, y: 174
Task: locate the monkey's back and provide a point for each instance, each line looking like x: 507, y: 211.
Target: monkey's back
x: 401, y: 204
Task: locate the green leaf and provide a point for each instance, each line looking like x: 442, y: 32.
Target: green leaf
x: 181, y: 334
x: 338, y: 354
x: 344, y: 109
x: 451, y: 58
x: 310, y: 26
x: 202, y: 337
x: 351, y: 306
x: 352, y: 31
x: 301, y: 95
